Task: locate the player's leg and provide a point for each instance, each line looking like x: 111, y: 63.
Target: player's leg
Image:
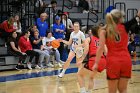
x: 122, y: 85
x: 80, y: 75
x: 112, y: 86
x: 67, y: 63
x: 91, y: 80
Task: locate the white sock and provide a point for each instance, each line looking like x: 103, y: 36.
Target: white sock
x: 83, y: 89
x: 89, y: 91
x: 63, y: 71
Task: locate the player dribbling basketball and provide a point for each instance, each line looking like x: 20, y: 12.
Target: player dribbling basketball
x: 76, y: 38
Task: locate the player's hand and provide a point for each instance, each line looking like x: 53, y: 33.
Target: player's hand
x: 24, y: 53
x: 95, y: 67
x: 60, y: 40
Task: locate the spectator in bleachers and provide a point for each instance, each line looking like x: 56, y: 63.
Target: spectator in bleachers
x: 84, y: 5
x: 6, y: 28
x: 38, y: 47
x: 26, y: 47
x: 17, y: 24
x: 42, y: 24
x: 68, y: 24
x: 131, y: 45
x: 40, y: 6
x: 59, y: 33
x: 14, y: 49
x: 46, y: 42
x: 53, y: 9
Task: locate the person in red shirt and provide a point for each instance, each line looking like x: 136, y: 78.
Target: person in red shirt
x: 26, y: 47
x: 119, y: 64
x: 6, y: 27
x: 90, y: 47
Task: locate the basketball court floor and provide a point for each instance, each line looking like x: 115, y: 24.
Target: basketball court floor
x: 46, y: 81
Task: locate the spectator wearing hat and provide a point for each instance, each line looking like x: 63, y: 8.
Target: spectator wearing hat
x: 59, y: 33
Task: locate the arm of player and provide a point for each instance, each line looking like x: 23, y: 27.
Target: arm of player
x: 67, y: 42
x: 100, y: 49
x: 105, y: 50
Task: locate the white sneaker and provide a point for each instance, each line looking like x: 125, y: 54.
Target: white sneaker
x: 62, y: 62
x: 61, y: 75
x: 41, y: 66
x: 37, y: 67
x: 50, y: 65
x: 83, y: 92
x: 60, y: 65
x: 89, y: 91
x: 29, y: 66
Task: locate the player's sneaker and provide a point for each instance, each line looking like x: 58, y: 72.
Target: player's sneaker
x: 61, y: 75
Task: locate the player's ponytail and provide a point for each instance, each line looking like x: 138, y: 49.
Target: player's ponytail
x: 112, y: 19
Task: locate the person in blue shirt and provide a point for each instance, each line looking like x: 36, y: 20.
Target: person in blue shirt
x: 59, y: 33
x: 58, y: 28
x: 42, y: 24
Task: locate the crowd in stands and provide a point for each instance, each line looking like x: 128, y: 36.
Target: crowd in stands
x: 35, y: 41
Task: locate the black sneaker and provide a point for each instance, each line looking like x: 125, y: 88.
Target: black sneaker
x: 17, y: 67
x: 21, y: 66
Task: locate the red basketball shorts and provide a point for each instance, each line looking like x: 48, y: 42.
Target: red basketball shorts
x: 117, y: 69
x: 101, y: 65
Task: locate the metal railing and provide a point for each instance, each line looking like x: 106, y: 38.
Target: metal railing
x: 131, y: 13
x: 122, y: 6
x: 94, y: 20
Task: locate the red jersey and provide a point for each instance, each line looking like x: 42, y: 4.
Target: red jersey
x: 5, y: 26
x: 94, y: 43
x: 24, y: 44
x: 117, y: 50
x: 118, y: 58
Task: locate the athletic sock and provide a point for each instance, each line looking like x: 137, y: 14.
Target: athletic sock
x: 83, y: 90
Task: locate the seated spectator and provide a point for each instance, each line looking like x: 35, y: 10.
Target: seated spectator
x: 7, y: 27
x: 26, y: 47
x: 38, y: 47
x: 42, y: 24
x: 47, y: 46
x: 68, y: 24
x: 14, y: 49
x: 17, y: 24
x: 59, y: 33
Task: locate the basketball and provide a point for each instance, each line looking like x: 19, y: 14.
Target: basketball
x: 55, y: 43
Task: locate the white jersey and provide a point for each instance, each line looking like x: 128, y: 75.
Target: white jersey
x: 45, y: 40
x: 77, y: 39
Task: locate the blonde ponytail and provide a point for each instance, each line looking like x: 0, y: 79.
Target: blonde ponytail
x: 112, y: 19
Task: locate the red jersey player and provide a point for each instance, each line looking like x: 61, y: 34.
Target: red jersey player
x: 90, y: 47
x: 119, y: 64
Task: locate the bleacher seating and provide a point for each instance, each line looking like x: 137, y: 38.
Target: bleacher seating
x: 27, y: 19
